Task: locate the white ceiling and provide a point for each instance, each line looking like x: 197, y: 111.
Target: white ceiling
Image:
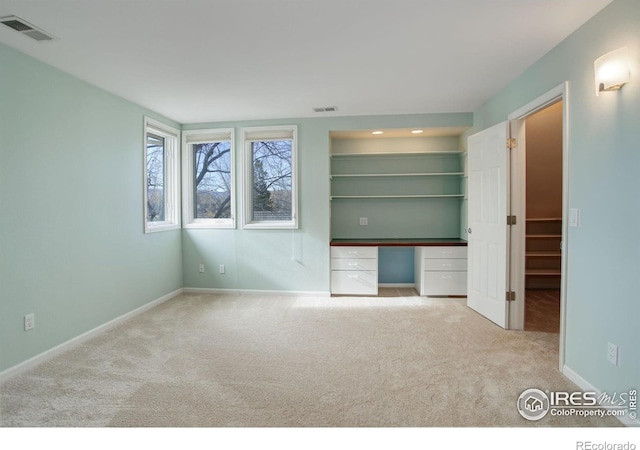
x: 200, y: 61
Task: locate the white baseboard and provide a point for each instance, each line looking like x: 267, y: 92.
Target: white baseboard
x: 396, y: 285
x: 256, y: 292
x: 586, y: 386
x: 58, y: 349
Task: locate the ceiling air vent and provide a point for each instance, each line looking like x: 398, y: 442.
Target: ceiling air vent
x: 322, y: 109
x: 24, y: 27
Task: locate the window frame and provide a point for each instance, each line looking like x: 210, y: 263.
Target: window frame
x: 171, y: 179
x: 272, y: 133
x: 189, y: 138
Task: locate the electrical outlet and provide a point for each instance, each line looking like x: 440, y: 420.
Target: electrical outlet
x: 29, y: 321
x: 364, y: 221
x: 221, y: 268
x: 612, y: 353
x: 201, y: 268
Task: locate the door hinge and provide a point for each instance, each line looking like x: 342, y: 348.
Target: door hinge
x: 511, y: 220
x: 511, y: 143
x: 511, y: 296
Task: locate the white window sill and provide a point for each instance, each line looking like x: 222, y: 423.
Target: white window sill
x: 271, y: 225
x: 211, y: 224
x: 160, y: 226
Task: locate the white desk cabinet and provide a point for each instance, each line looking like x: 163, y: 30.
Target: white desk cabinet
x: 354, y: 270
x: 441, y: 270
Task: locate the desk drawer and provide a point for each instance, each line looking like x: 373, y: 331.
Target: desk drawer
x: 444, y: 264
x: 354, y: 264
x: 354, y: 252
x: 444, y: 283
x: 357, y: 282
x: 444, y: 252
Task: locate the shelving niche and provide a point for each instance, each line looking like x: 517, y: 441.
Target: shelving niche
x: 403, y: 194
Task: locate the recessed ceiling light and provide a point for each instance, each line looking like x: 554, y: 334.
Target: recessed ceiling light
x: 417, y: 131
x: 377, y: 132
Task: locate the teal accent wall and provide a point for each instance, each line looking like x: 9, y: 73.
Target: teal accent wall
x: 72, y: 248
x: 604, y: 133
x: 395, y: 265
x: 289, y: 260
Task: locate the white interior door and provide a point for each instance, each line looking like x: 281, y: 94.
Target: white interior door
x: 487, y: 158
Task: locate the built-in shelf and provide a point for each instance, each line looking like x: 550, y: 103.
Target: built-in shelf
x: 422, y: 174
x: 395, y: 154
x: 400, y: 187
x: 544, y: 236
x: 399, y: 196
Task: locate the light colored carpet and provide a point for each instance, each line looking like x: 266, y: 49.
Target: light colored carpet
x: 242, y: 360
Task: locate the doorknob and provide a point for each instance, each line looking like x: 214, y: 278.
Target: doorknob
x: 469, y: 230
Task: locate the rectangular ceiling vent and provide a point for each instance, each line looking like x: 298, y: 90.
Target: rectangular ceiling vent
x: 322, y: 109
x: 24, y: 27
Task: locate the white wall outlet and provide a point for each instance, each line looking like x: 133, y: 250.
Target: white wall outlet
x: 201, y: 268
x: 221, y: 268
x: 29, y: 321
x: 612, y: 353
x: 364, y: 221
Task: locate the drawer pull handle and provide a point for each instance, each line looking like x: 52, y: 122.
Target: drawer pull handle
x: 447, y: 252
x: 353, y: 276
x: 446, y: 277
x: 352, y: 252
x: 353, y: 264
x: 446, y: 265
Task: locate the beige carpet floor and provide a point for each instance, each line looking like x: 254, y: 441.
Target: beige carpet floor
x: 258, y: 361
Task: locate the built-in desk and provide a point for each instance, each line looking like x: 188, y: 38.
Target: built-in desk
x: 440, y: 265
x: 398, y: 242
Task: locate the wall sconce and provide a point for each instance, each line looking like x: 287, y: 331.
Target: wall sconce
x: 612, y: 70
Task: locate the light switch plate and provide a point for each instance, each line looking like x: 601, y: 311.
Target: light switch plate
x: 574, y: 217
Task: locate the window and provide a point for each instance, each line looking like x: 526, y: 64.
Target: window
x: 208, y: 180
x: 270, y: 173
x: 161, y: 177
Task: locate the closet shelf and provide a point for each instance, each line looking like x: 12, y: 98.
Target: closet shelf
x: 543, y: 272
x: 544, y: 219
x: 544, y: 254
x: 544, y: 236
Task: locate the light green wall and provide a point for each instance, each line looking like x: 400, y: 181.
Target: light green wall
x: 288, y: 260
x: 72, y: 248
x: 604, y: 252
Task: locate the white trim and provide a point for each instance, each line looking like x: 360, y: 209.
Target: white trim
x: 540, y: 103
x: 252, y: 134
x: 172, y: 175
x: 518, y: 205
x: 73, y: 342
x: 257, y: 292
x: 190, y: 137
x: 585, y: 386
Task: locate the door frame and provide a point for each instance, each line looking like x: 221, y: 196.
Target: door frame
x: 518, y: 207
